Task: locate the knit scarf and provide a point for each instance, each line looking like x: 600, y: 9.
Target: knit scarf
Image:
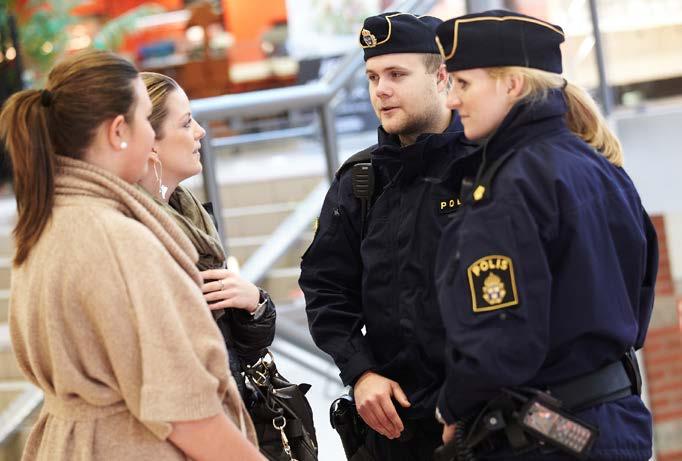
x: 75, y: 177
x: 197, y: 224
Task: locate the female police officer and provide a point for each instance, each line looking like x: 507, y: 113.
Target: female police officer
x: 546, y: 273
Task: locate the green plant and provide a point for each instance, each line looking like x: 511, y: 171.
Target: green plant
x: 43, y: 35
x: 112, y: 33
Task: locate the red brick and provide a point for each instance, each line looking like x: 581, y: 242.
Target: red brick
x: 669, y: 456
x: 671, y: 356
x: 654, y: 346
x: 658, y: 385
x: 668, y: 415
x: 663, y: 372
x: 663, y: 331
x: 667, y: 397
x: 664, y: 288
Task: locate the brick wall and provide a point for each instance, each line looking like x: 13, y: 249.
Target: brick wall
x: 663, y: 358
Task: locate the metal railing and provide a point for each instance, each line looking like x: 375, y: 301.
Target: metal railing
x: 319, y: 96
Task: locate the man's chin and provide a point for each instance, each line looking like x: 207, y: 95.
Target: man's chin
x: 392, y: 126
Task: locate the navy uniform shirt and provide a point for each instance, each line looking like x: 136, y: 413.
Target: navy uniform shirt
x: 386, y: 282
x: 549, y: 276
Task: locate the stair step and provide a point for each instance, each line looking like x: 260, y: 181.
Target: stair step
x: 243, y: 247
x: 20, y: 404
x: 9, y: 369
x: 6, y: 241
x: 4, y: 305
x: 282, y: 285
x: 5, y: 272
x: 259, y: 192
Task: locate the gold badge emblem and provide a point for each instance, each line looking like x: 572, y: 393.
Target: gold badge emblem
x: 369, y: 39
x: 492, y: 283
x: 493, y: 289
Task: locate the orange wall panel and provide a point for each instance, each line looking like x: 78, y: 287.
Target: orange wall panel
x: 247, y: 20
x: 112, y: 9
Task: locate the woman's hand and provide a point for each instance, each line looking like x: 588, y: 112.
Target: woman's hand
x: 224, y: 289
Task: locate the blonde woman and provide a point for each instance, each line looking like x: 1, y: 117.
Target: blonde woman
x: 546, y: 274
x: 107, y: 315
x: 244, y: 313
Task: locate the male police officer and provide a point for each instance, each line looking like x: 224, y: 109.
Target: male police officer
x: 376, y: 271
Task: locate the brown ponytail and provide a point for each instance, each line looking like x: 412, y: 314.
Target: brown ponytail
x: 23, y: 126
x: 583, y: 117
x: 83, y: 91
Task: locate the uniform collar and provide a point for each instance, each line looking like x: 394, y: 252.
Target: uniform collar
x: 416, y: 159
x: 526, y: 121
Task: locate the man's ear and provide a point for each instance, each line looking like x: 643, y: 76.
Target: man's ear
x: 118, y: 133
x: 442, y: 79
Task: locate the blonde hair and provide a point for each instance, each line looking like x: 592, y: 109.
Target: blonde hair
x: 583, y: 117
x: 432, y: 62
x: 159, y: 87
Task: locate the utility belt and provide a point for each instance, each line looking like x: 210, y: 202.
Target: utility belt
x: 526, y: 419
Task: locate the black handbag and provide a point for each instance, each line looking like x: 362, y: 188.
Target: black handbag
x: 281, y: 414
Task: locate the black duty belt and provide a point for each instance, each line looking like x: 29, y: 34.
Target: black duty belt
x: 612, y: 382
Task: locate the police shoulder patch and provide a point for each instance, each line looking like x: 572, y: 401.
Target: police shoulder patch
x: 492, y: 283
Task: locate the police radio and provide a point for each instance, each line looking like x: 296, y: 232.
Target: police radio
x: 557, y: 428
x: 362, y: 177
x: 513, y: 415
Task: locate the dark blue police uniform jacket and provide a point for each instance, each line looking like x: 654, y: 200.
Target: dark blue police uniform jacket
x: 386, y: 284
x: 548, y: 277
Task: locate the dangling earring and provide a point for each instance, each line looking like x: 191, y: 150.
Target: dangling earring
x: 162, y: 187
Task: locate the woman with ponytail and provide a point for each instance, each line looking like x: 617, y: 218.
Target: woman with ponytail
x: 546, y: 273
x: 107, y: 315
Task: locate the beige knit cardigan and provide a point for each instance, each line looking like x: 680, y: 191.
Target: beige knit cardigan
x: 108, y: 319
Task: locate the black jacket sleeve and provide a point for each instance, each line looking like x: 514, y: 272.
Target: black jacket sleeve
x: 331, y: 280
x: 249, y: 337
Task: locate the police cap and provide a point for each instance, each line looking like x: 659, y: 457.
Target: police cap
x: 395, y: 32
x: 499, y: 38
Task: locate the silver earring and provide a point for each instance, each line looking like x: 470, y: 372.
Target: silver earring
x: 124, y: 145
x: 163, y: 189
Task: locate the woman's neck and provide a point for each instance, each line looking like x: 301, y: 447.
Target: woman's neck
x: 150, y: 183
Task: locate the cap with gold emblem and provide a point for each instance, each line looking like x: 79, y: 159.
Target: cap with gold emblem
x: 395, y: 32
x: 499, y: 38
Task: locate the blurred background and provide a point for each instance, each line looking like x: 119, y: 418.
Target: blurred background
x: 279, y: 86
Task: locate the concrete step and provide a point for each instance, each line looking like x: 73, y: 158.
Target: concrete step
x: 6, y: 241
x: 259, y: 192
x: 4, y: 305
x: 256, y: 220
x: 282, y: 285
x: 5, y: 272
x: 20, y: 404
x: 243, y: 247
x: 9, y: 370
